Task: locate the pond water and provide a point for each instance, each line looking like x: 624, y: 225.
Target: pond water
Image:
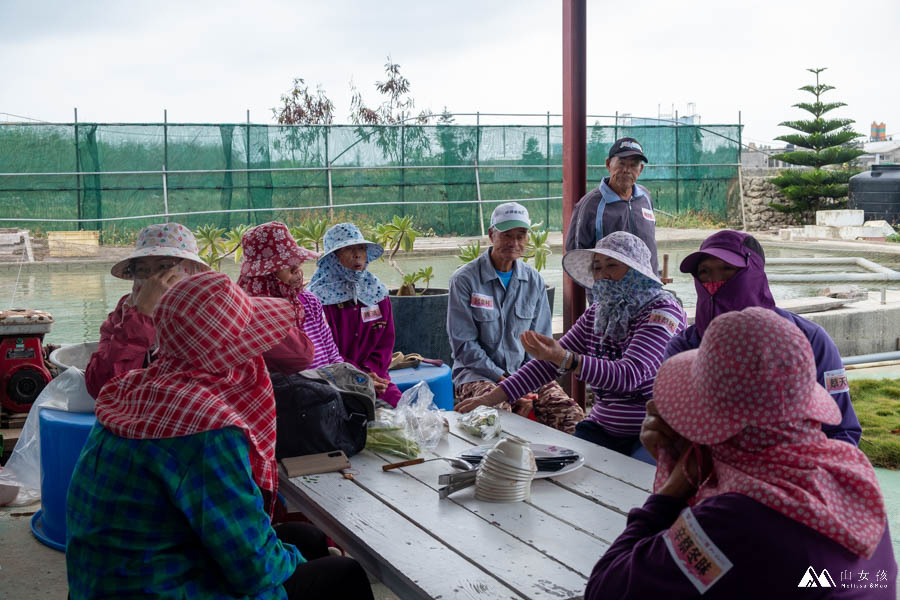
x: 80, y: 295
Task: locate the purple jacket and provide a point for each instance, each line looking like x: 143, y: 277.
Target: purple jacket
x: 664, y: 553
x: 750, y: 287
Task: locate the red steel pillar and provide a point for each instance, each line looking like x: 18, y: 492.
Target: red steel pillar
x: 574, y: 149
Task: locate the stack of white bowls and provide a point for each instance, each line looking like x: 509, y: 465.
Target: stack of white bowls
x: 506, y: 471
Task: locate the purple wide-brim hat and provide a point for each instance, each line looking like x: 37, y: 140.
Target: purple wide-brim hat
x: 727, y: 245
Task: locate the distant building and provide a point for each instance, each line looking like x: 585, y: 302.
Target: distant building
x: 760, y: 157
x: 690, y: 117
x: 878, y: 132
x: 877, y: 153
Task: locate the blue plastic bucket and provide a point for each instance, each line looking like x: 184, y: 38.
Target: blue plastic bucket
x: 437, y: 378
x: 63, y: 435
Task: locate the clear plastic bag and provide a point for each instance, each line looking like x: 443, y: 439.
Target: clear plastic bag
x: 67, y: 392
x: 484, y: 422
x: 415, y: 426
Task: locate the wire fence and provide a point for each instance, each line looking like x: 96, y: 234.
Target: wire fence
x: 117, y: 178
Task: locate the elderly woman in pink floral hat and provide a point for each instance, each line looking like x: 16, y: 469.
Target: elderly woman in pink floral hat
x: 760, y: 501
x: 271, y: 266
x: 164, y: 254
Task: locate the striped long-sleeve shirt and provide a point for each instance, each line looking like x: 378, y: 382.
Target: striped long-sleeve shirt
x: 620, y: 373
x: 314, y: 326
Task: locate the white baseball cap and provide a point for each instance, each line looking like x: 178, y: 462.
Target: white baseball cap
x: 510, y: 215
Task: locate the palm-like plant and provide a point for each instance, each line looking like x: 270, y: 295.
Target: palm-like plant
x: 470, y: 251
x: 537, y: 247
x: 311, y: 233
x: 211, y: 244
x: 233, y: 241
x: 395, y: 235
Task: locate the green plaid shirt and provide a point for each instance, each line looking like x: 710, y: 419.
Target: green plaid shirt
x: 171, y: 518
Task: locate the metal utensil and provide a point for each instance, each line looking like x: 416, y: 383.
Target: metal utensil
x: 456, y: 463
x: 456, y: 481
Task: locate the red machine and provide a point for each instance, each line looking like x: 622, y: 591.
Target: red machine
x: 22, y: 371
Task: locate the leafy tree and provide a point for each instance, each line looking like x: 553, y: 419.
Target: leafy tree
x: 300, y: 106
x: 395, y: 109
x: 532, y: 154
x: 824, y: 142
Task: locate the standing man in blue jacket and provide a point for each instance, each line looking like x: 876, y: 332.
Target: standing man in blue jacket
x: 618, y: 204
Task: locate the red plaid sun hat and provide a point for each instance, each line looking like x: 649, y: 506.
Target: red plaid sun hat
x: 753, y: 367
x: 210, y: 373
x: 270, y: 247
x: 210, y: 323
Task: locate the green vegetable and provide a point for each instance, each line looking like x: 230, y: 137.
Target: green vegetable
x: 392, y: 441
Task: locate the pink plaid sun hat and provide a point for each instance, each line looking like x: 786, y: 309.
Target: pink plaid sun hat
x: 753, y: 367
x: 164, y: 239
x: 210, y: 323
x: 620, y: 245
x: 270, y: 247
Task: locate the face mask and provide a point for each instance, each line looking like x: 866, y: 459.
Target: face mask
x: 712, y: 286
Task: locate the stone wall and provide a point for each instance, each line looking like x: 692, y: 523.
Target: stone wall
x: 759, y: 191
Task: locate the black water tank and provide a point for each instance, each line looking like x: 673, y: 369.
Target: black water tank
x: 878, y: 193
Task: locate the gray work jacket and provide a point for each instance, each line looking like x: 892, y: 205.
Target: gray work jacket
x: 484, y: 320
x: 601, y: 211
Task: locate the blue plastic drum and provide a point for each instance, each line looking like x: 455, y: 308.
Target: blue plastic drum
x: 63, y: 435
x: 437, y: 378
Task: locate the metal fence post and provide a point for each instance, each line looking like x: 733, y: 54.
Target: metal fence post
x: 166, y: 162
x: 249, y: 203
x: 677, y: 191
x: 165, y: 193
x: 78, y: 176
x: 616, y: 128
x: 477, y: 179
x: 403, y: 167
x: 547, y: 177
x: 328, y: 173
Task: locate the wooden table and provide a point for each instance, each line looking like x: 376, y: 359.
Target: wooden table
x: 420, y: 546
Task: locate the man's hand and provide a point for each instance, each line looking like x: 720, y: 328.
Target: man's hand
x: 542, y: 347
x: 492, y: 398
x: 656, y: 434
x: 380, y: 383
x: 152, y: 289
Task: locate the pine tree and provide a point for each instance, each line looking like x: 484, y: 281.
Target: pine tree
x: 825, y: 142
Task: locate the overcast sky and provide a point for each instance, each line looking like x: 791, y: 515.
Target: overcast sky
x: 211, y: 61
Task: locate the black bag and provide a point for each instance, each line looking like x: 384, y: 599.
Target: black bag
x: 314, y: 415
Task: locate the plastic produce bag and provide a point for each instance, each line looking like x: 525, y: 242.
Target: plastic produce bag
x: 67, y: 392
x: 416, y: 425
x: 484, y: 422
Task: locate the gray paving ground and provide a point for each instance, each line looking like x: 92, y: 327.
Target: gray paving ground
x: 30, y: 570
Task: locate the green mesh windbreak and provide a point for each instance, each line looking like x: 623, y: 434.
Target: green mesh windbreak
x: 102, y: 176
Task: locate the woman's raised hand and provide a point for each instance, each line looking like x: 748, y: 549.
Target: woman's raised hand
x: 656, y: 434
x: 542, y: 347
x: 492, y: 398
x: 153, y: 288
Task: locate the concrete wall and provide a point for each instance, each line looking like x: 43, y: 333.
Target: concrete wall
x: 865, y: 327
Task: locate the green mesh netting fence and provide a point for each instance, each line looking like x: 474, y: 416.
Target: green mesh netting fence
x: 101, y: 176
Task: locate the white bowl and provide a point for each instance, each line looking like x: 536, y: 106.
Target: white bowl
x: 524, y: 461
x: 8, y: 493
x: 500, y: 471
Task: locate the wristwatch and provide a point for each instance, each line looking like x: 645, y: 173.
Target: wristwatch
x: 561, y: 369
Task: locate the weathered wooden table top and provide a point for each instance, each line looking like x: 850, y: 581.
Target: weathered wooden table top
x: 421, y: 546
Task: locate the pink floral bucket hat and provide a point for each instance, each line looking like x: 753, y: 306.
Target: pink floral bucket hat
x: 753, y: 368
x: 619, y: 245
x: 164, y: 239
x: 270, y: 247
